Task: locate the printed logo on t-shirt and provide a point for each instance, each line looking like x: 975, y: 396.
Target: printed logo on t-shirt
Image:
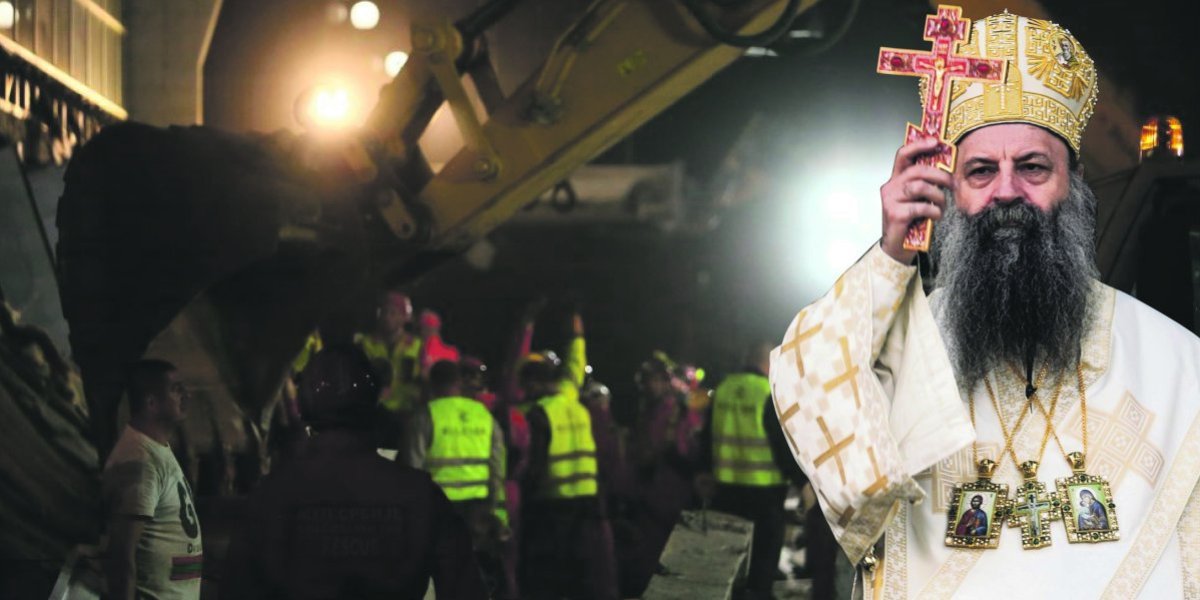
x: 187, y: 512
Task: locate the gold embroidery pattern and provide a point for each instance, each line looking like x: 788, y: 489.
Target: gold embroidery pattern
x: 1033, y: 108
x: 1005, y: 100
x: 1043, y: 61
x: 1163, y: 516
x: 1002, y: 37
x: 833, y: 450
x: 895, y: 553
x: 951, y: 574
x: 793, y: 345
x: 839, y: 431
x: 1097, y: 344
x: 1119, y: 442
x: 1042, y: 109
x: 1056, y: 60
x: 849, y: 376
x: 1189, y: 545
x: 896, y: 273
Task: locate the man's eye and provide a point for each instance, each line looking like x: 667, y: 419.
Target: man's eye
x: 977, y: 171
x: 1033, y: 167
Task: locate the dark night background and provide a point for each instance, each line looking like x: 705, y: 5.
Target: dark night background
x: 820, y: 129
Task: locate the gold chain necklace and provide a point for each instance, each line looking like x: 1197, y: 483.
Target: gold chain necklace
x: 978, y: 508
x: 1032, y: 508
x: 1088, y: 509
x: 1008, y: 437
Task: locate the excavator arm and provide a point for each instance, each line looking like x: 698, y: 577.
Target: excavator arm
x: 222, y: 252
x: 620, y: 64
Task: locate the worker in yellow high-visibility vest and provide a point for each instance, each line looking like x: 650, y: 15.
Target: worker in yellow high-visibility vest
x: 752, y: 463
x: 456, y: 439
x: 567, y: 545
x: 396, y: 352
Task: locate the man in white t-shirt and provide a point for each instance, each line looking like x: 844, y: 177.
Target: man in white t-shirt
x: 154, y: 546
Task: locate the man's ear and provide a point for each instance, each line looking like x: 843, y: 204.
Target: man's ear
x: 152, y: 403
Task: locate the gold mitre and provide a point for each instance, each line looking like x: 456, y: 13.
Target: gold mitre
x: 1050, y: 81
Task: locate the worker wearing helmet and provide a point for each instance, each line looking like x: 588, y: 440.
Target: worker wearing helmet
x: 456, y: 439
x: 395, y: 351
x: 509, y: 410
x: 752, y: 463
x: 340, y: 521
x: 664, y: 457
x: 567, y: 543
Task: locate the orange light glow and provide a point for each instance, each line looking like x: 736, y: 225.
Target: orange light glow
x: 1161, y: 136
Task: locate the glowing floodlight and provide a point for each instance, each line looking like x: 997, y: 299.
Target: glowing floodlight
x: 324, y: 107
x: 8, y: 15
x: 364, y: 15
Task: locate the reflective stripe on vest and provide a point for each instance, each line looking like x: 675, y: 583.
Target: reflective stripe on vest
x: 459, y: 457
x: 741, y: 452
x: 572, y: 460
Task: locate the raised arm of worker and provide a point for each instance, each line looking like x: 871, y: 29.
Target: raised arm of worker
x: 519, y: 346
x: 862, y: 373
x: 575, y: 362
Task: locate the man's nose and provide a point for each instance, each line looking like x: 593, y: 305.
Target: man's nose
x: 1007, y: 191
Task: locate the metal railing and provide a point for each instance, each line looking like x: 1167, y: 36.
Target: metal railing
x: 78, y: 42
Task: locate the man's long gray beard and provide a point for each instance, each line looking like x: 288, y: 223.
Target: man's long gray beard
x: 1016, y: 282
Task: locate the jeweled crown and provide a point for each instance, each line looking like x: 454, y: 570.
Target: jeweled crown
x: 1050, y: 80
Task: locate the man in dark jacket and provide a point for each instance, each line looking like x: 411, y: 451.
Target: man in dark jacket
x: 339, y: 521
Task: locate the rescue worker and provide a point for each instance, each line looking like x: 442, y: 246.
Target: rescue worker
x: 752, y: 463
x: 567, y: 543
x: 340, y: 521
x: 610, y: 455
x: 475, y: 381
x: 433, y: 347
x: 665, y: 458
x: 508, y: 409
x: 395, y: 354
x: 458, y: 442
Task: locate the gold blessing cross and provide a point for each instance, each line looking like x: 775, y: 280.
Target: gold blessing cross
x: 946, y: 29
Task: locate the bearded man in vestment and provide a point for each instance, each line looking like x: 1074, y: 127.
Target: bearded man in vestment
x: 874, y: 381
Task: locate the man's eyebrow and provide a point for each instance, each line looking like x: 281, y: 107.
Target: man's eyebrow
x: 979, y: 160
x: 1032, y: 155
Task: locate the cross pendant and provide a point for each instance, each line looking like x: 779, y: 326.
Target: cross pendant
x: 1033, y: 511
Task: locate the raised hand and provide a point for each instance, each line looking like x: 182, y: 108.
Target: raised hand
x: 914, y: 191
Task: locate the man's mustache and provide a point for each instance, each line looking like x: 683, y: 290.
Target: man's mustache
x: 1018, y: 214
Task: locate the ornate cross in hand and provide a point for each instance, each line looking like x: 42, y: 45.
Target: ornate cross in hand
x: 946, y: 29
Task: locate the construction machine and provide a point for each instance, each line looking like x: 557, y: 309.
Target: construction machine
x: 221, y: 252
